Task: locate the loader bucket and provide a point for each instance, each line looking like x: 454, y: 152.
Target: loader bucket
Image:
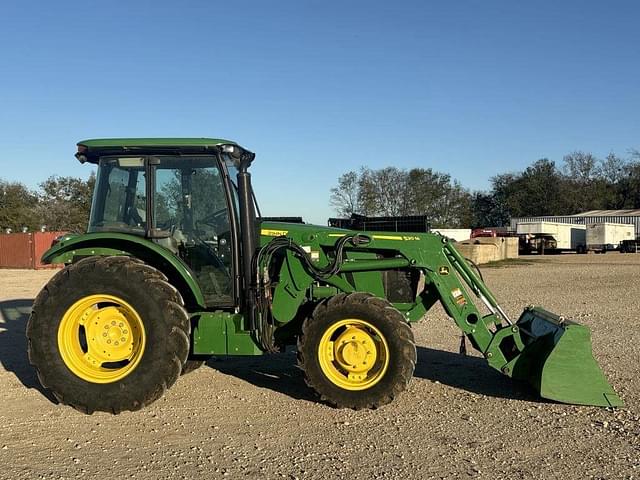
x: 558, y: 362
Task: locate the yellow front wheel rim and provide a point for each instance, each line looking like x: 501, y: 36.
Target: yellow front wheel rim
x: 353, y: 354
x: 101, y: 338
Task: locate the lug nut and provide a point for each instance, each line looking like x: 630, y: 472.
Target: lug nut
x: 104, y: 334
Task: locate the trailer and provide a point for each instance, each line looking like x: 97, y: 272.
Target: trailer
x: 604, y: 237
x: 552, y: 237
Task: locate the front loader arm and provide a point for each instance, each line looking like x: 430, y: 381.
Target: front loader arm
x: 546, y: 350
x: 493, y: 335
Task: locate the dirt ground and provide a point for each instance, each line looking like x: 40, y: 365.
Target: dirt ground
x: 254, y: 417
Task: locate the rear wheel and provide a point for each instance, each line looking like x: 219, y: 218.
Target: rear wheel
x: 108, y: 333
x: 191, y: 365
x: 357, y: 351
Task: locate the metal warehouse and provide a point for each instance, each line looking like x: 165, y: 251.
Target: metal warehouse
x: 593, y: 216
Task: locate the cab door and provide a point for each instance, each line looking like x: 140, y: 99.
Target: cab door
x: 191, y: 204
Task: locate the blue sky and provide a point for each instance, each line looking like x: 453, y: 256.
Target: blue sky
x: 317, y: 88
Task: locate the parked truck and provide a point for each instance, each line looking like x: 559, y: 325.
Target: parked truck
x: 604, y: 237
x: 552, y: 237
x: 529, y: 243
x: 630, y: 246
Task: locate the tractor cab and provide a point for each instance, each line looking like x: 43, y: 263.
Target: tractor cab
x: 181, y: 195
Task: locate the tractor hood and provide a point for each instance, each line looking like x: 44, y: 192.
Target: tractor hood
x: 307, y: 232
x: 283, y: 229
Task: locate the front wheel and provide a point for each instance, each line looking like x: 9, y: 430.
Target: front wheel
x: 357, y: 351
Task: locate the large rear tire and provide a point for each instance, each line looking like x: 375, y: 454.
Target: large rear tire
x: 357, y: 351
x: 192, y: 365
x: 108, y: 334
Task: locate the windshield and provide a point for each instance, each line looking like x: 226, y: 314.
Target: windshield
x: 187, y: 190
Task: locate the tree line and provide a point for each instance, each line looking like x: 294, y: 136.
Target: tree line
x: 58, y: 204
x: 580, y: 183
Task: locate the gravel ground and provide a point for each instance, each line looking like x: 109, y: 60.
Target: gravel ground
x: 254, y: 417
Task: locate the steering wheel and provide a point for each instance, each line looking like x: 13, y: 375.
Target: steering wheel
x: 214, y: 219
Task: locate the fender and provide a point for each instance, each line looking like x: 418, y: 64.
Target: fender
x: 109, y: 243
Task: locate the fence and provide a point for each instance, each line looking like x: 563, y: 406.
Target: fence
x: 24, y: 250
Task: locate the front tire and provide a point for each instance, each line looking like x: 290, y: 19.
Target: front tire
x: 108, y: 334
x: 357, y: 351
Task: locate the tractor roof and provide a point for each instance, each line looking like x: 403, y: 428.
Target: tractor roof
x: 91, y: 150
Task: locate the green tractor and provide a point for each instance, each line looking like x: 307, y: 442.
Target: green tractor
x: 177, y: 266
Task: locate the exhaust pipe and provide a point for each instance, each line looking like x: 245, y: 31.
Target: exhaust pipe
x: 249, y: 230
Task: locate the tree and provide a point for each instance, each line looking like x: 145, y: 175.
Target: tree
x: 344, y: 197
x: 394, y: 192
x: 541, y: 189
x: 581, y: 167
x: 612, y: 168
x: 583, y: 183
x: 488, y: 211
x: 65, y: 202
x: 383, y: 192
x: 628, y: 187
x: 427, y: 191
x: 17, y: 207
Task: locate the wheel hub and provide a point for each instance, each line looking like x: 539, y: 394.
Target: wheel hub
x: 353, y: 354
x: 101, y: 338
x: 355, y: 350
x: 109, y: 332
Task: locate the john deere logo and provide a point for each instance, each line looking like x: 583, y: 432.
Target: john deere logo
x: 443, y: 270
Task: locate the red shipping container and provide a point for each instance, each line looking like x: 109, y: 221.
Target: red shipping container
x: 16, y: 251
x: 24, y: 250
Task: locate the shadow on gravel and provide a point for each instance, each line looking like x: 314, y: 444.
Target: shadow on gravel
x: 13, y: 343
x: 276, y: 372
x: 469, y: 373
x: 280, y: 374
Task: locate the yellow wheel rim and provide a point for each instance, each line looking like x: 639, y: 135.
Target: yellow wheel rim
x: 353, y: 354
x: 101, y: 338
